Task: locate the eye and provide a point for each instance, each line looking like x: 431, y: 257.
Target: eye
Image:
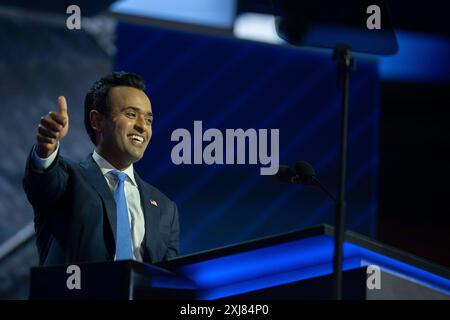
x: 149, y: 120
x: 130, y: 114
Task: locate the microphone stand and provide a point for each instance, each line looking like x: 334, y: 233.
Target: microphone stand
x: 345, y: 64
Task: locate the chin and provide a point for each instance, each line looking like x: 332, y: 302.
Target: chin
x: 136, y: 156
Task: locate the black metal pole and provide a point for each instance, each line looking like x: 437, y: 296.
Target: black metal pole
x: 345, y: 63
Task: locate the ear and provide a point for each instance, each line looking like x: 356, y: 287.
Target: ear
x: 95, y: 119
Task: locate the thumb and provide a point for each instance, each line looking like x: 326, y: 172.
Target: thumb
x: 62, y: 106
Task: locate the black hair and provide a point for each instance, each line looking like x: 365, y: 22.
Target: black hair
x: 96, y: 98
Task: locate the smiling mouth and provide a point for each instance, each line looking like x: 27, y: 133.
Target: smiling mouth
x: 136, y: 140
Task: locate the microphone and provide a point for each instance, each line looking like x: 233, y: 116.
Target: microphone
x: 306, y: 173
x: 302, y: 173
x: 286, y: 174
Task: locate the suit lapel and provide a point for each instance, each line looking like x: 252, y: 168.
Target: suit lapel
x: 152, y: 218
x: 94, y: 176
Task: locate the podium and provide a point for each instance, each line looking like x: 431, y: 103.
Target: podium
x: 112, y: 280
x: 295, y: 265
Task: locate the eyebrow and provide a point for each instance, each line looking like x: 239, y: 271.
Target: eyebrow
x: 137, y: 110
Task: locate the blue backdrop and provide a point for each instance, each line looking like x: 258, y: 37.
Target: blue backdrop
x: 228, y: 83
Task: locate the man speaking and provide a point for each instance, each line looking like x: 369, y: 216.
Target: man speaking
x: 100, y: 209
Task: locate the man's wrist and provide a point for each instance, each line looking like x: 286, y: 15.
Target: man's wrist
x: 44, y: 163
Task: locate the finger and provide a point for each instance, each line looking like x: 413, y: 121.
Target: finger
x: 50, y: 124
x: 62, y: 120
x: 46, y: 141
x: 62, y: 106
x: 47, y: 132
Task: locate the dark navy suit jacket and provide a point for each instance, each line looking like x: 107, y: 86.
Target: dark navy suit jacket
x: 75, y: 214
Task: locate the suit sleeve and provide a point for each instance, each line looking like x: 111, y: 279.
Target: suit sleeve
x: 173, y: 248
x: 44, y: 188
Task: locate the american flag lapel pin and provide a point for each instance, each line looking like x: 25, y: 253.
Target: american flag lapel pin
x: 153, y: 202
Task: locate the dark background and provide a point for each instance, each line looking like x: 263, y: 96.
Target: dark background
x: 414, y: 206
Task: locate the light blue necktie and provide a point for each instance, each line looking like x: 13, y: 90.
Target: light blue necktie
x: 123, y: 230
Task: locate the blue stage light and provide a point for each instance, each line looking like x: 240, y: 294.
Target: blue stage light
x: 290, y: 262
x: 421, y: 58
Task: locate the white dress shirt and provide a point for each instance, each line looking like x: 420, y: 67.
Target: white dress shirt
x: 134, y: 205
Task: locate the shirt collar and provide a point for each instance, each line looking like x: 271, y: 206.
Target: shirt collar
x: 106, y: 167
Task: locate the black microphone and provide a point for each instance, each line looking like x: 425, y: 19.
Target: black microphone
x: 306, y: 173
x: 286, y: 174
x: 303, y: 173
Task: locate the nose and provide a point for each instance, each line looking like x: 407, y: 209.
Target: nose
x: 140, y: 125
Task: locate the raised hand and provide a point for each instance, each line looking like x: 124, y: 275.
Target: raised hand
x: 52, y: 128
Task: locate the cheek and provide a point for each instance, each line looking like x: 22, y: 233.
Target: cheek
x: 124, y: 128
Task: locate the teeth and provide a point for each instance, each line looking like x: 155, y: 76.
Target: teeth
x: 138, y: 138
